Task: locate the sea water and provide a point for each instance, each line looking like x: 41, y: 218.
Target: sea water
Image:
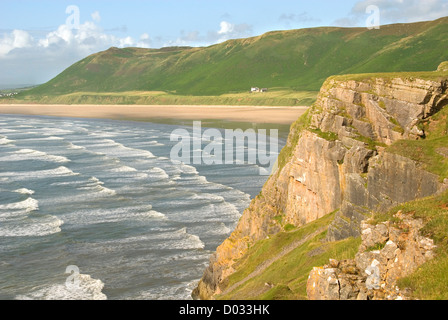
x: 96, y: 209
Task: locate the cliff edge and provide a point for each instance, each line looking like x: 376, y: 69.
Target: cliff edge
x: 369, y: 143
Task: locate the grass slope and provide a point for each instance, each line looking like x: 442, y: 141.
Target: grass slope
x: 285, y: 278
x: 276, y: 97
x: 296, y: 60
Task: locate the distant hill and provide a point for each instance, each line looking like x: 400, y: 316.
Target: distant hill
x: 298, y: 60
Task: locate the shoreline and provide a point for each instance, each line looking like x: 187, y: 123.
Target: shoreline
x: 256, y: 114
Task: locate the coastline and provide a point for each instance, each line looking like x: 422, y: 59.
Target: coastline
x: 255, y: 114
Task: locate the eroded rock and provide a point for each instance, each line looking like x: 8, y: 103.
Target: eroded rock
x: 380, y: 262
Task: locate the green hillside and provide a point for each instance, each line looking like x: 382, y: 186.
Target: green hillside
x: 295, y: 60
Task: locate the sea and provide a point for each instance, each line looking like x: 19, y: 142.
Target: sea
x: 96, y: 209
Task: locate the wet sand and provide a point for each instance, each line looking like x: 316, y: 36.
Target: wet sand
x: 273, y: 115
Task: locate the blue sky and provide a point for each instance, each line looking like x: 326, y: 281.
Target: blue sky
x: 39, y: 39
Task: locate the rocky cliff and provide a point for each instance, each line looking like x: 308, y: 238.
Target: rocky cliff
x: 388, y: 253
x: 339, y: 157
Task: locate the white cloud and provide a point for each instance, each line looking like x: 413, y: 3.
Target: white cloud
x: 292, y: 19
x: 226, y: 31
x: 394, y: 11
x: 16, y: 40
x: 406, y: 10
x: 144, y: 41
x: 126, y: 42
x: 226, y: 27
x: 96, y: 16
x: 24, y: 59
x: 230, y: 31
x: 22, y: 39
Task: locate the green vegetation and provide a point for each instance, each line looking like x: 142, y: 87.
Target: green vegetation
x: 426, y: 75
x: 329, y: 136
x: 377, y: 246
x: 430, y: 281
x: 426, y: 152
x: 397, y: 127
x: 294, y: 134
x: 4, y: 91
x: 289, y: 227
x: 296, y: 61
x: 431, y: 152
x: 286, y: 278
x: 275, y: 97
x: 369, y: 142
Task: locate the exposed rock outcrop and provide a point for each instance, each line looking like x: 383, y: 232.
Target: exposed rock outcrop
x: 339, y: 161
x: 388, y: 252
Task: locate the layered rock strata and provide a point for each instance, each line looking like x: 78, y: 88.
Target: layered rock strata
x: 338, y: 161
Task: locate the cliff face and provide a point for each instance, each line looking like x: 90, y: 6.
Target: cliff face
x: 337, y: 158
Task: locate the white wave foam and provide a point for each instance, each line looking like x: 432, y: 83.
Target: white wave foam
x: 208, y: 196
x: 5, y: 140
x: 60, y: 171
x: 56, y: 131
x: 168, y: 240
x: 103, y: 134
x: 35, y: 227
x: 142, y: 213
x: 216, y: 229
x: 154, y: 214
x: 96, y: 185
x: 4, y: 130
x: 75, y: 147
x: 181, y: 239
x: 159, y: 173
x: 224, y: 229
x: 100, y: 189
x: 95, y: 180
x: 29, y: 205
x: 124, y: 169
x: 51, y: 138
x: 24, y: 191
x: 178, y: 292
x: 187, y: 169
x: 29, y: 154
x: 200, y: 180
x: 88, y: 289
x: 67, y: 183
x: 153, y: 143
x: 18, y: 176
x: 126, y: 151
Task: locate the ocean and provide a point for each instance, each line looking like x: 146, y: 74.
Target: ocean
x: 96, y: 209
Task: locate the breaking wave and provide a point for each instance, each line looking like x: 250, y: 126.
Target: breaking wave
x: 86, y: 288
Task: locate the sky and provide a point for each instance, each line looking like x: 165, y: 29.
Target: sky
x: 41, y: 38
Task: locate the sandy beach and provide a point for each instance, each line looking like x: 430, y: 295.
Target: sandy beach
x: 274, y: 115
